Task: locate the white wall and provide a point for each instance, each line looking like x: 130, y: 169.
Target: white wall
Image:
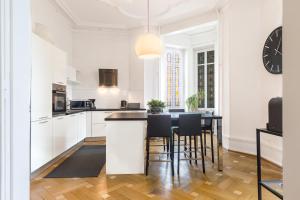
x: 247, y: 86
x: 101, y: 49
x: 291, y: 108
x: 136, y: 70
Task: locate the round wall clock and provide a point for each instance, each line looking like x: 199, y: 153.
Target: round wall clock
x: 272, y: 52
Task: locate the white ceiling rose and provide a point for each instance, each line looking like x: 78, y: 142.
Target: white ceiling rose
x: 127, y: 14
x: 130, y: 8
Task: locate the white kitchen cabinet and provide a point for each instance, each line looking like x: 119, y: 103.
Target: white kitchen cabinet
x: 60, y: 142
x: 41, y: 143
x: 59, y: 64
x: 41, y: 84
x: 99, y: 130
x: 88, y: 124
x: 72, y: 130
x: 82, y: 126
x: 99, y: 123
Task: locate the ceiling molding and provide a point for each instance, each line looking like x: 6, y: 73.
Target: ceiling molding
x: 128, y: 14
x: 81, y: 24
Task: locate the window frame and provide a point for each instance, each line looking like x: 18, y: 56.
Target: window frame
x: 196, y: 65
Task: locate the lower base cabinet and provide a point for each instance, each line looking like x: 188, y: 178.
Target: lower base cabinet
x: 41, y: 143
x: 59, y: 135
x: 99, y: 130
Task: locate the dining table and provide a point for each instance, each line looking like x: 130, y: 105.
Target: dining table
x: 128, y: 157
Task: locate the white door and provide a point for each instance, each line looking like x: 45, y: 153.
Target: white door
x: 59, y: 135
x: 82, y: 126
x: 41, y: 143
x: 41, y: 84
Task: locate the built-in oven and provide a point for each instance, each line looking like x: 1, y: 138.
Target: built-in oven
x: 59, y: 99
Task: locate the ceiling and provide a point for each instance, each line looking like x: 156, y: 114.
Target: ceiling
x: 125, y: 14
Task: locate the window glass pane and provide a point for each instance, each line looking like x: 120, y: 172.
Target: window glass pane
x: 210, y: 56
x: 174, y: 66
x: 210, y: 86
x: 201, y: 57
x: 201, y: 84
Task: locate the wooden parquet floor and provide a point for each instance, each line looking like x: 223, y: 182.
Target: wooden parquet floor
x: 236, y: 182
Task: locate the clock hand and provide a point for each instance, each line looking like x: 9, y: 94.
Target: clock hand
x: 278, y: 46
x: 277, y: 52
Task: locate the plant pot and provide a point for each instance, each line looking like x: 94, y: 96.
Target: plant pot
x: 156, y: 110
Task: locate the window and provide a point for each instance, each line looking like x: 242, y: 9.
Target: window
x: 206, y: 77
x: 174, y: 72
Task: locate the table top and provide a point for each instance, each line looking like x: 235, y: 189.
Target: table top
x: 138, y: 116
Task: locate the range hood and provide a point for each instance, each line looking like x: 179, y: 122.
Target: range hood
x: 108, y: 77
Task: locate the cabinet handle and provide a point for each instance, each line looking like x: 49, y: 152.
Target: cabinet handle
x: 59, y: 118
x: 108, y: 112
x: 41, y: 118
x: 44, y: 122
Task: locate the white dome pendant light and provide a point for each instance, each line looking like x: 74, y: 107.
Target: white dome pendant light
x: 148, y: 45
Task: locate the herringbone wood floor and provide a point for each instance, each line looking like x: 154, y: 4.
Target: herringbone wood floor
x: 236, y: 182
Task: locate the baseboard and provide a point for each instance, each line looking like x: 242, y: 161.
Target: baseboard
x: 94, y: 139
x: 270, y: 153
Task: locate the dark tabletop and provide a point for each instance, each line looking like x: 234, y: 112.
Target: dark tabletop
x: 138, y: 116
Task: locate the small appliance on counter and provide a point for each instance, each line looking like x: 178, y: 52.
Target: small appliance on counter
x: 59, y: 101
x: 80, y: 104
x: 123, y: 104
x: 93, y: 106
x: 275, y: 115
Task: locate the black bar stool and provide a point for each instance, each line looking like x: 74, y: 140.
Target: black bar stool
x: 207, y: 127
x: 175, y: 126
x: 190, y: 126
x: 159, y: 126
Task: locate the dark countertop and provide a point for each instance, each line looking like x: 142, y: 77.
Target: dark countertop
x: 139, y: 116
x: 135, y: 116
x: 117, y: 109
x: 71, y: 112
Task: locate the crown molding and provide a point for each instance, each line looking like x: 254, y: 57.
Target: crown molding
x: 81, y: 24
x: 128, y: 14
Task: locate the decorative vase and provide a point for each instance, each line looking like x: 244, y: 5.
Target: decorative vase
x: 155, y: 110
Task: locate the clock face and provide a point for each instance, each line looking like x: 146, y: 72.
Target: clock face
x: 272, y: 53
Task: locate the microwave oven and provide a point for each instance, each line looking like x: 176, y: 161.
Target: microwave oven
x: 80, y: 104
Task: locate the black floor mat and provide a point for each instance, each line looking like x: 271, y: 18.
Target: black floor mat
x: 85, y: 162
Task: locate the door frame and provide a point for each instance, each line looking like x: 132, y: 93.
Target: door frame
x: 15, y: 75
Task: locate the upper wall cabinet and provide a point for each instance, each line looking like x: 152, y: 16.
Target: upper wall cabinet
x: 59, y: 65
x: 41, y: 82
x: 72, y: 75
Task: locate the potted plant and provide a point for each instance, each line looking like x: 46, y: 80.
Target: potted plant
x: 156, y: 106
x: 193, y: 101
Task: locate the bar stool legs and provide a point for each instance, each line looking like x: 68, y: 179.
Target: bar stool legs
x: 147, y: 154
x: 202, y: 154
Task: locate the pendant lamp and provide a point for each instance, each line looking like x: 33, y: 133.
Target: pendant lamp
x: 148, y: 45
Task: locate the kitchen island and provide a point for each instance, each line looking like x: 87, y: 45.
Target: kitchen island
x: 125, y: 141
